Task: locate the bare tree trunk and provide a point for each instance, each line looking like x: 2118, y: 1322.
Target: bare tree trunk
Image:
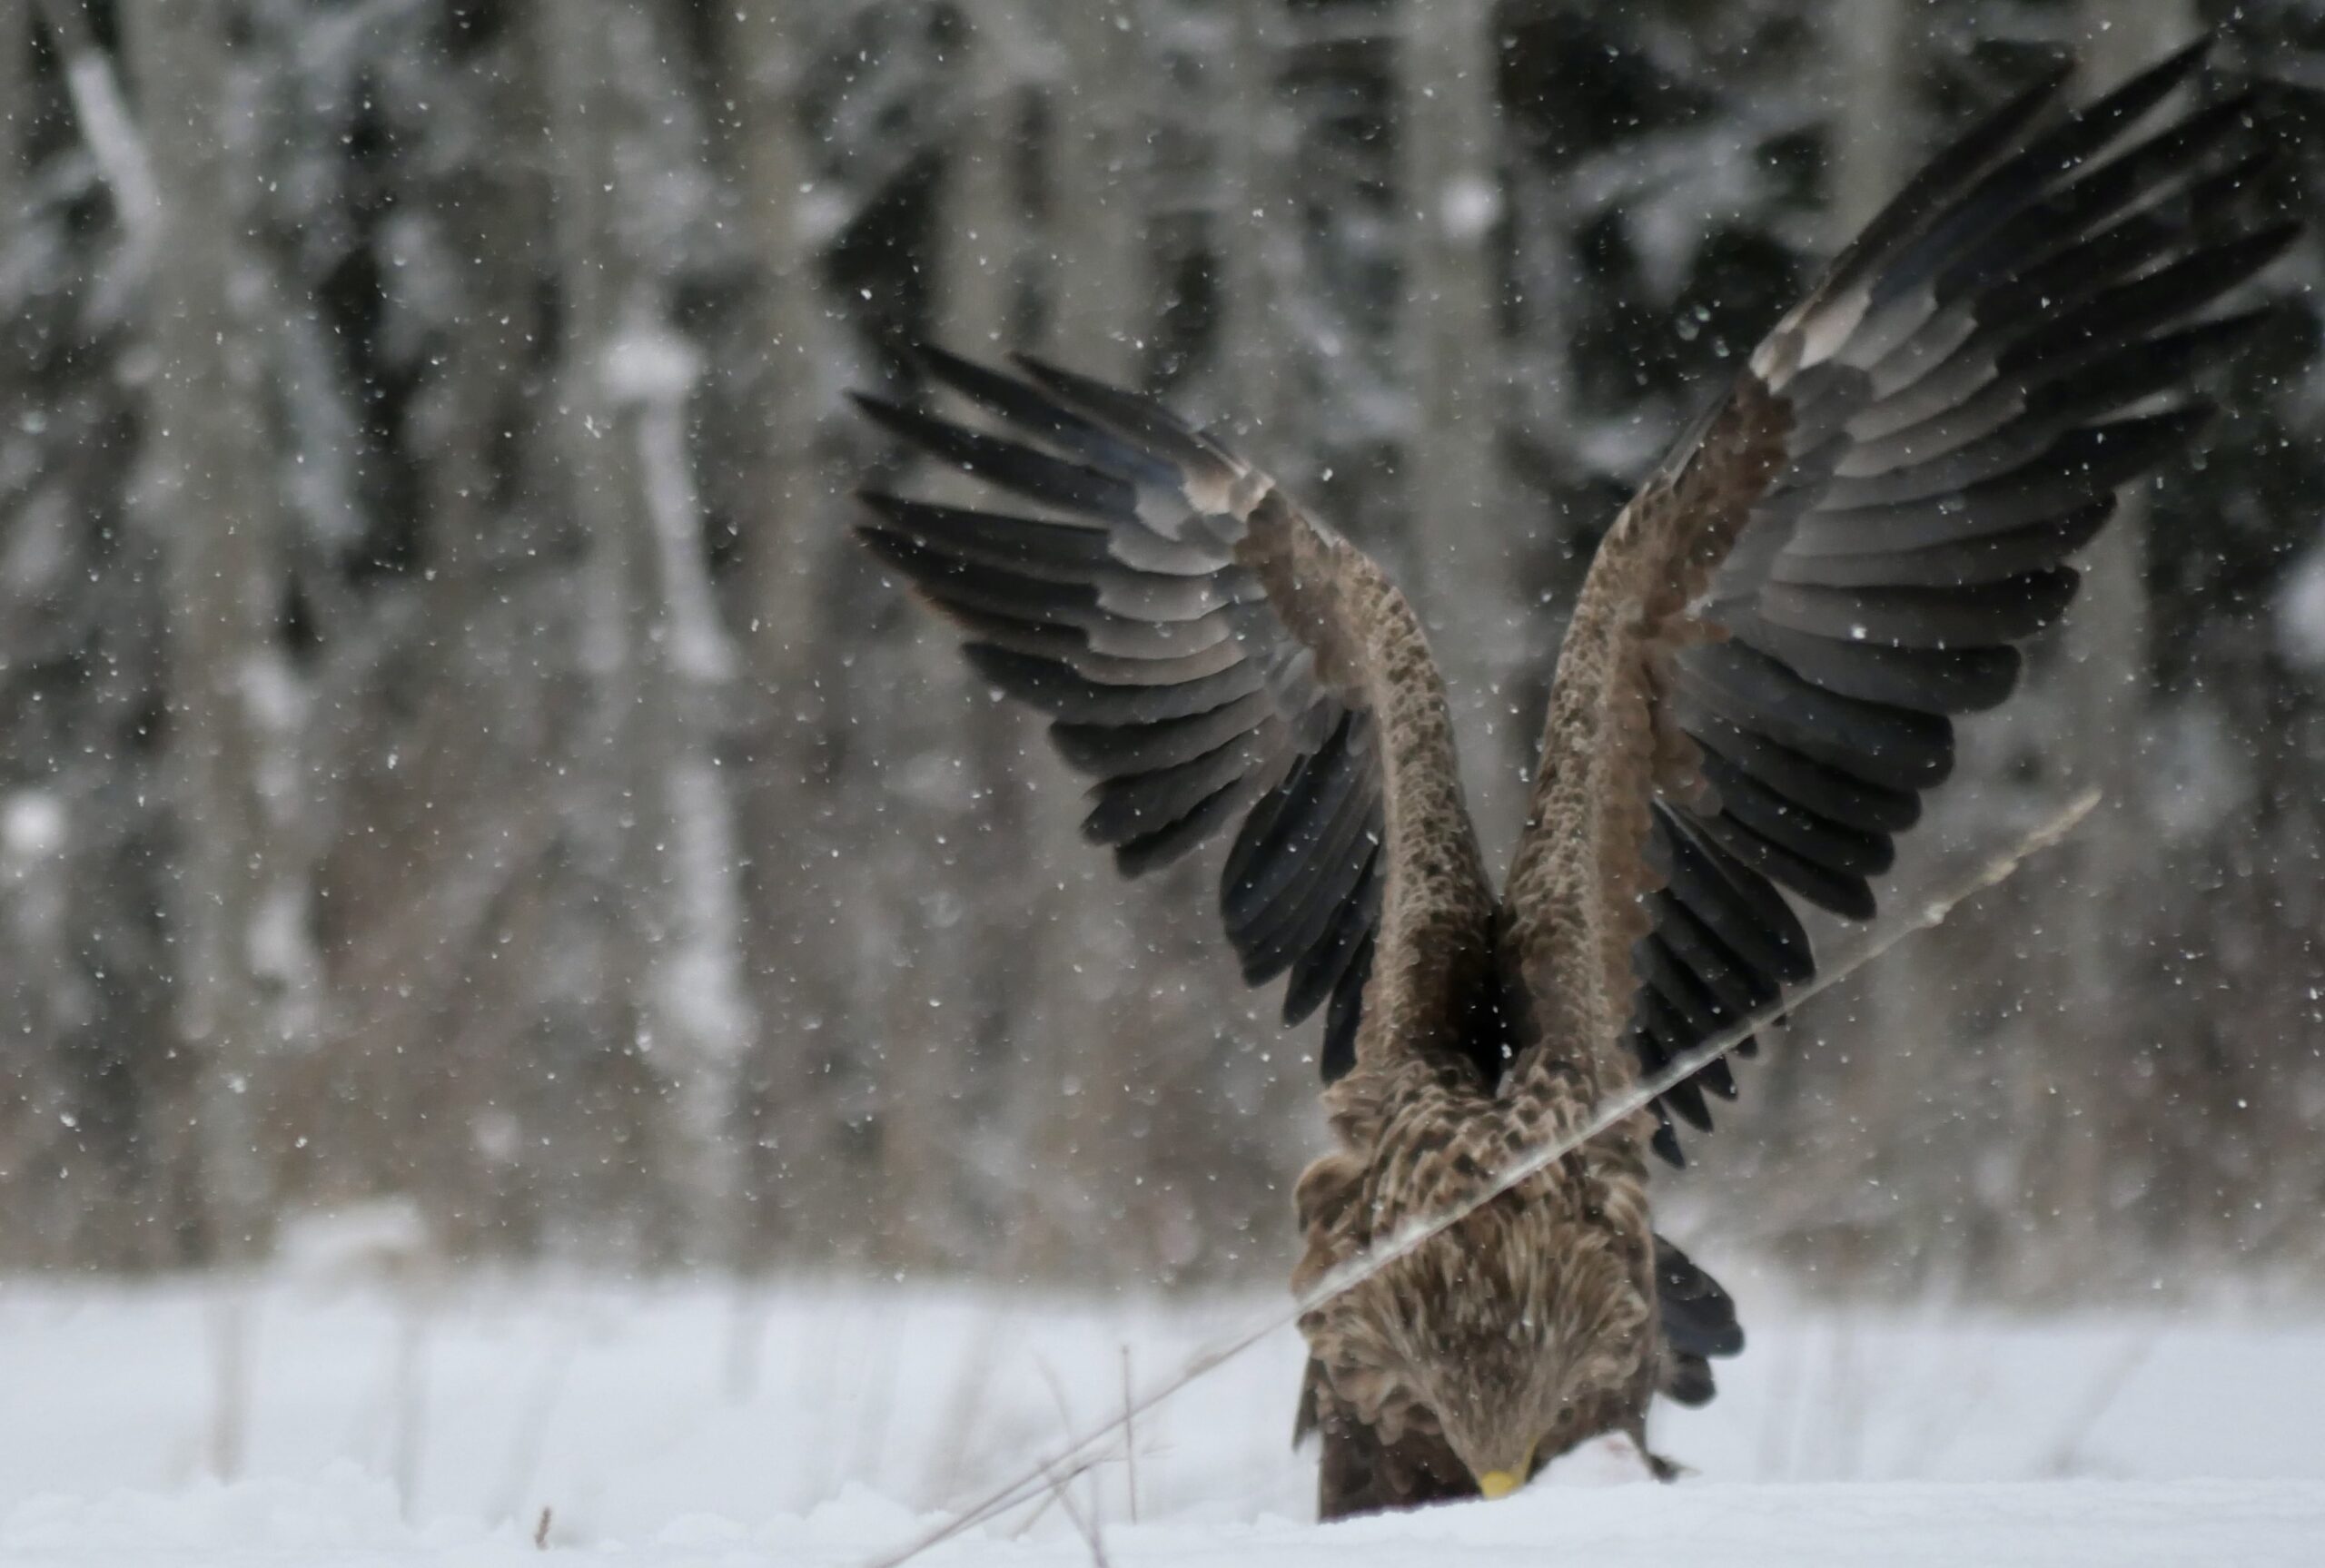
x: 1256, y: 229
x: 1897, y: 1014
x: 207, y: 490
x: 962, y: 906
x: 34, y: 917
x: 15, y: 89
x: 2086, y: 1021
x: 1454, y: 496
x: 983, y: 225
x: 1096, y: 289
x: 801, y: 1065
x: 608, y: 814
x: 414, y: 929
x: 1098, y: 306
x: 653, y: 818
x: 1257, y: 226
x: 1872, y: 144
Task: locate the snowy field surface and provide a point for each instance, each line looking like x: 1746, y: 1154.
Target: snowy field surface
x: 404, y: 1421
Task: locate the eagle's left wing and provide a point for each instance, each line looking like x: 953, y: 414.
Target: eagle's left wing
x: 1756, y: 686
x: 1215, y: 659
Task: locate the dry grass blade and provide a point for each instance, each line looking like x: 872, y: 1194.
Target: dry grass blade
x: 1870, y: 945
x: 1086, y: 1528
x: 1036, y: 1487
x: 1130, y: 1440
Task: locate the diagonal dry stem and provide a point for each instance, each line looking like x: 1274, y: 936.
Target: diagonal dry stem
x: 1869, y: 945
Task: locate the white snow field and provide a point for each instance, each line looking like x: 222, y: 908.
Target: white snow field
x: 395, y: 1422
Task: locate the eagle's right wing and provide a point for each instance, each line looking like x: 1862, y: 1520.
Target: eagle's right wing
x: 1209, y: 655
x: 1763, y: 665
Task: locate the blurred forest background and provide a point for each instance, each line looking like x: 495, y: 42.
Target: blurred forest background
x: 450, y: 752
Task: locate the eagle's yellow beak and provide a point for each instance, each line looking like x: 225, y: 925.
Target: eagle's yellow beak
x: 1498, y: 1484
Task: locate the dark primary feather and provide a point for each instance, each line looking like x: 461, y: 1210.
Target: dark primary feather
x: 1699, y: 1326
x: 1967, y: 389
x: 1122, y: 612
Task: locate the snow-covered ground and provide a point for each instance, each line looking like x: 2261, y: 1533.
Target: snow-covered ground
x: 393, y: 1423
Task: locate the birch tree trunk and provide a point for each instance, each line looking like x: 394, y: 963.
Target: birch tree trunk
x: 206, y: 490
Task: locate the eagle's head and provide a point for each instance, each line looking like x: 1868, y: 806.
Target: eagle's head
x: 1516, y: 1333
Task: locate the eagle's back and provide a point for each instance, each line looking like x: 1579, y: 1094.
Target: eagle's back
x: 1570, y: 1251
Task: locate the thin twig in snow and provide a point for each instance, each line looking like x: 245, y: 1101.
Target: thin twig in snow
x: 407, y: 1399
x: 1086, y: 1528
x: 1130, y: 1439
x: 530, y: 1438
x: 957, y: 1425
x: 1092, y: 1461
x: 230, y: 1360
x: 2096, y: 1401
x: 1039, y: 1486
x: 1869, y: 945
x: 1941, y: 1428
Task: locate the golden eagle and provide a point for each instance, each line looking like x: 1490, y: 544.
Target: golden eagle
x: 1753, y: 694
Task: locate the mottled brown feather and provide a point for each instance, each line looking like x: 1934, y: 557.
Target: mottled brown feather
x: 1578, y: 877
x: 1436, y: 918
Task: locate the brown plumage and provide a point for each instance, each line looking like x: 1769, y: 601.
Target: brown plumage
x: 1753, y: 693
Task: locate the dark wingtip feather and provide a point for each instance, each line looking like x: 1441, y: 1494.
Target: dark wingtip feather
x: 906, y: 424
x: 2144, y: 90
x: 939, y: 363
x: 1175, y: 842
x: 1686, y: 1098
x: 1089, y: 392
x: 2182, y: 62
x: 1056, y: 376
x: 1134, y: 414
x: 880, y: 410
x: 1947, y: 173
x: 979, y: 383
x: 1034, y: 409
x: 1342, y: 1018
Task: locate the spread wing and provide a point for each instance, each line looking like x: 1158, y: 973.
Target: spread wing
x: 1210, y: 656
x: 1878, y: 512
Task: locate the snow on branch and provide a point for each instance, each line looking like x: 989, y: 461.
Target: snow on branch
x: 648, y: 366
